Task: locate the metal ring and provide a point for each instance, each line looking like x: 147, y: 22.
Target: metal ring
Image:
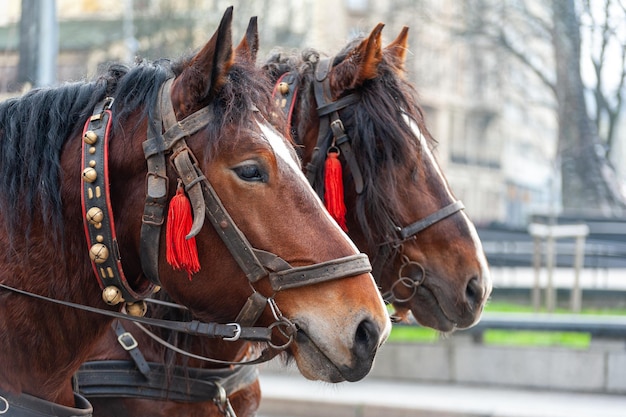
x: 407, y: 263
x: 4, y: 408
x: 408, y: 283
x: 288, y: 332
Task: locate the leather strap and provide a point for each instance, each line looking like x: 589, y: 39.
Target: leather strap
x: 101, y: 379
x: 328, y: 111
x: 25, y: 405
x: 98, y: 214
x: 130, y: 345
x: 322, y: 272
x: 231, y: 331
x: 418, y: 226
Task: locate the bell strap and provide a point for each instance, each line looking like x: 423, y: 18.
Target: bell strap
x: 98, y: 379
x: 98, y: 219
x: 24, y: 405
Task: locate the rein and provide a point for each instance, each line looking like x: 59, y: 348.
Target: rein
x: 167, y: 135
x: 328, y: 112
x: 24, y: 405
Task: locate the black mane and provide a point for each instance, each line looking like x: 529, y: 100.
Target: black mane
x: 34, y: 128
x: 382, y: 141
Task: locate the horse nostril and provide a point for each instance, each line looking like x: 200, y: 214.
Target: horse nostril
x: 366, y: 339
x: 474, y: 292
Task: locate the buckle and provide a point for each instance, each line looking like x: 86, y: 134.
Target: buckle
x: 127, y: 341
x: 237, y: 333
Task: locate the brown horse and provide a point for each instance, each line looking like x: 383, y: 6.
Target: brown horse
x: 426, y: 254
x: 271, y: 238
x: 401, y: 180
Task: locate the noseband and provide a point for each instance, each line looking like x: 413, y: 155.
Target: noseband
x: 328, y: 112
x: 255, y: 263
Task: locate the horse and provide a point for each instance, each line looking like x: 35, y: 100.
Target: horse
x: 402, y: 184
x: 85, y: 184
x: 358, y: 107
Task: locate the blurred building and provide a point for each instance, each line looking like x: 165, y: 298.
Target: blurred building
x: 492, y: 118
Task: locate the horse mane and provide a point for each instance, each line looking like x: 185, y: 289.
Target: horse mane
x: 35, y: 127
x: 382, y: 139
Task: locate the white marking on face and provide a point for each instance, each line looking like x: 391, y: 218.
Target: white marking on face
x: 282, y: 150
x: 480, y: 254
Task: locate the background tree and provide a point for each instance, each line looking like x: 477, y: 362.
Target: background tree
x: 589, y: 185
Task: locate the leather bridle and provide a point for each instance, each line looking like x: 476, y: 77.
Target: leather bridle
x: 328, y: 112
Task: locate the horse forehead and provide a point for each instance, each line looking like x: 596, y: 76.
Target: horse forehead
x: 280, y: 147
x: 428, y: 153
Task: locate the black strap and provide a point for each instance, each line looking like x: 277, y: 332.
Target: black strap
x: 418, y: 226
x: 98, y: 216
x: 25, y: 405
x: 98, y: 379
x: 231, y: 331
x: 328, y: 111
x: 130, y: 345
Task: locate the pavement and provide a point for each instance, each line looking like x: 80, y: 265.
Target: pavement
x: 290, y: 395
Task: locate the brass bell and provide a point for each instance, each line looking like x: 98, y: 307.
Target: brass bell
x: 136, y: 309
x: 283, y: 88
x: 90, y: 137
x: 99, y: 253
x: 90, y: 174
x: 95, y: 215
x: 112, y: 295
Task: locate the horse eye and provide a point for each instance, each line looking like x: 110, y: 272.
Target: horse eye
x: 250, y: 173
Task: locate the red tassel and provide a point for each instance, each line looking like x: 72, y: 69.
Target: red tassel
x: 182, y: 253
x: 333, y: 189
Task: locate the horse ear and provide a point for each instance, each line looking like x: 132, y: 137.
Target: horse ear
x: 398, y: 49
x: 206, y: 72
x: 249, y: 45
x: 360, y: 64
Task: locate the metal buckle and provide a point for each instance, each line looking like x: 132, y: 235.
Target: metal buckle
x: 127, y: 341
x: 4, y: 405
x: 237, y: 333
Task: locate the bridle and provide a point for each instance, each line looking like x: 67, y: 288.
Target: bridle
x: 166, y: 135
x: 328, y: 112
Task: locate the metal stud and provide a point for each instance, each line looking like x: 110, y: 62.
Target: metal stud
x: 95, y: 215
x: 283, y: 88
x: 112, y: 295
x: 90, y: 137
x: 136, y: 309
x: 90, y: 174
x: 99, y: 253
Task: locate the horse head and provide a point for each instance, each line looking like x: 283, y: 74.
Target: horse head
x: 399, y: 208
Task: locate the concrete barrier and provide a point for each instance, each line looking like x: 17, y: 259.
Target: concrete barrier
x: 462, y: 360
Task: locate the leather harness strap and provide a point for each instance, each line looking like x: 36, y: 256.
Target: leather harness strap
x: 101, y: 379
x: 98, y: 214
x: 328, y: 111
x: 24, y: 405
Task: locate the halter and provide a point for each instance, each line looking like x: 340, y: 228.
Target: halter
x: 167, y: 135
x: 328, y: 112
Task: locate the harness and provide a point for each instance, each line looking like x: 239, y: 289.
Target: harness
x: 166, y: 135
x: 328, y: 111
x: 25, y: 405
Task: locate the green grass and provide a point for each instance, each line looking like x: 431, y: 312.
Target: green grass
x: 573, y: 340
